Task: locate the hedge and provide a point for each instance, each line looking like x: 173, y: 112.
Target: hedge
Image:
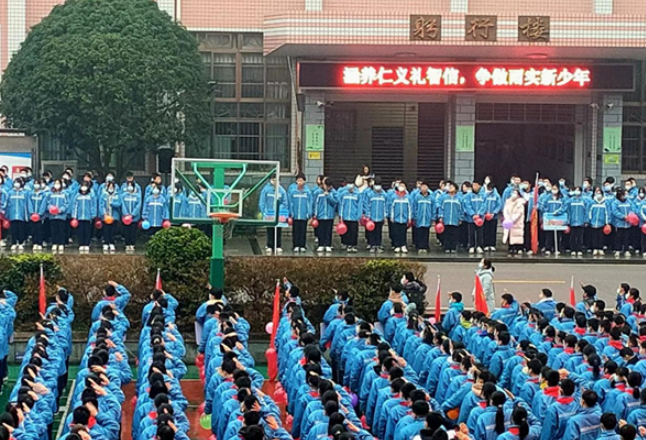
x: 250, y: 281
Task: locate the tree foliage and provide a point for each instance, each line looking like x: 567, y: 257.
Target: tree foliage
x: 107, y: 78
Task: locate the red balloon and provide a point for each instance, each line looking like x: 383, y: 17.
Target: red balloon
x: 439, y: 228
x: 74, y: 223
x: 607, y: 229
x: 6, y: 224
x: 370, y: 225
x: 200, y: 408
x: 139, y: 224
x: 363, y: 221
x: 410, y: 224
x: 98, y: 224
x: 341, y: 228
x: 212, y: 437
x: 315, y: 223
x: 35, y: 217
x: 568, y: 230
x: 632, y: 219
x: 644, y: 228
x: 488, y: 216
x: 479, y: 222
x: 53, y: 210
x: 290, y: 221
x: 127, y: 220
x: 166, y: 224
x: 199, y: 360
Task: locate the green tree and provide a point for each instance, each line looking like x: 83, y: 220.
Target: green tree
x: 107, y: 78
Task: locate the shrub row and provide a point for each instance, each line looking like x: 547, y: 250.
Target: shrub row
x: 182, y: 255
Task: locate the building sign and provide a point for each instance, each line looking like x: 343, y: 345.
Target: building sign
x: 612, y: 139
x: 465, y: 138
x: 535, y: 29
x: 425, y: 27
x: 314, y: 137
x: 480, y: 27
x: 466, y: 76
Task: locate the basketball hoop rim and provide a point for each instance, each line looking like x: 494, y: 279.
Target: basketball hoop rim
x: 224, y: 217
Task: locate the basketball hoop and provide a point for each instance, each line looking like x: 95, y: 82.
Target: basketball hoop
x: 224, y: 217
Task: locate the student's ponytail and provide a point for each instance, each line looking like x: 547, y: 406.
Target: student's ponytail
x: 595, y: 362
x: 519, y: 418
x: 498, y: 400
x: 635, y: 380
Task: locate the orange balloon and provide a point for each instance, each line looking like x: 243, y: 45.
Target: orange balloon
x: 108, y: 220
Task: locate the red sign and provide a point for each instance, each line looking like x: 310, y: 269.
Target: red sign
x: 453, y: 76
x: 465, y: 76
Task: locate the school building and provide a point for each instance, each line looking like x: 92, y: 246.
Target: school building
x: 415, y: 88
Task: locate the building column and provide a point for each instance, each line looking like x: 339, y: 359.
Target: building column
x: 16, y: 28
x: 610, y: 118
x: 462, y: 152
x: 313, y: 136
x: 460, y: 6
x: 603, y: 6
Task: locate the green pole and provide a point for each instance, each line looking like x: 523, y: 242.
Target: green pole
x: 216, y: 275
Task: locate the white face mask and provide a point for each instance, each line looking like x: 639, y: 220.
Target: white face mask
x: 37, y: 186
x: 487, y: 181
x: 16, y: 185
x: 586, y: 185
x: 598, y: 197
x: 23, y: 175
x: 84, y: 189
x: 548, y: 187
x: 109, y: 178
x: 377, y: 187
x: 480, y: 265
x: 57, y: 186
x: 401, y: 188
x: 576, y: 193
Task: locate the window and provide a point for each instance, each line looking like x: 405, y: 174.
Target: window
x: 633, y: 133
x: 250, y: 100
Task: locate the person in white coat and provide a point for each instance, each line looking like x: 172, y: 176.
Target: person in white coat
x: 485, y: 273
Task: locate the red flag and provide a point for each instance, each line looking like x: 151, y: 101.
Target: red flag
x: 438, y: 301
x: 272, y: 364
x: 480, y: 302
x: 572, y: 294
x: 158, y: 280
x: 534, y: 219
x: 42, y: 301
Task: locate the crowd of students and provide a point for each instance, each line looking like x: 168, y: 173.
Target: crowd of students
x: 234, y: 399
x: 160, y: 408
x: 42, y: 378
x: 47, y: 209
x: 531, y: 371
x: 465, y: 216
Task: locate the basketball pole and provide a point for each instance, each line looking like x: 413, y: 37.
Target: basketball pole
x: 216, y: 272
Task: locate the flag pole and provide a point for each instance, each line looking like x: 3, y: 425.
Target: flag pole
x: 438, y: 300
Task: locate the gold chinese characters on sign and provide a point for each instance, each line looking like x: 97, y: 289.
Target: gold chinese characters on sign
x: 481, y: 27
x: 425, y: 27
x: 534, y: 29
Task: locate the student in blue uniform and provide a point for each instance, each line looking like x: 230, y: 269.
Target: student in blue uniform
x: 324, y: 203
x: 553, y: 203
x: 300, y: 204
x: 577, y: 209
x: 423, y: 216
x: 400, y: 214
x: 59, y: 198
x: 84, y: 210
x: 37, y: 205
x: 267, y: 205
x: 599, y: 215
x: 585, y: 425
x: 130, y: 206
x: 621, y: 208
x: 17, y: 212
x: 449, y: 212
x: 110, y: 205
x: 350, y: 211
x: 155, y: 209
x: 375, y: 207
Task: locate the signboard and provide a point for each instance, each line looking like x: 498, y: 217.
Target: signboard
x: 612, y: 139
x: 15, y: 161
x: 553, y: 222
x: 314, y: 155
x: 314, y: 137
x: 425, y: 27
x: 465, y: 138
x: 611, y: 159
x: 541, y: 77
x: 535, y: 29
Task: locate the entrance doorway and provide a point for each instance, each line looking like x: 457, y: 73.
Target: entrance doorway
x: 524, y: 139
